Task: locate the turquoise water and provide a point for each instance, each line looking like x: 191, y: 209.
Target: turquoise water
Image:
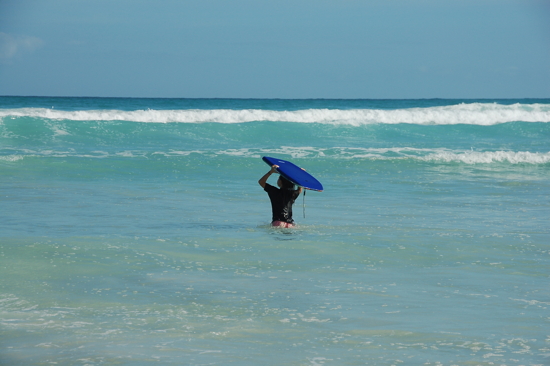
x: 133, y: 232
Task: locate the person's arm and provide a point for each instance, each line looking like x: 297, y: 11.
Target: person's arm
x: 263, y: 180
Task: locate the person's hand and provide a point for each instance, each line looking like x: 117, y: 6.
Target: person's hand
x: 274, y: 168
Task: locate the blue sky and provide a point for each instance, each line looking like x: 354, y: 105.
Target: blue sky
x: 276, y: 48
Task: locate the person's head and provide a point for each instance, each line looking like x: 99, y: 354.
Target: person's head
x: 284, y: 183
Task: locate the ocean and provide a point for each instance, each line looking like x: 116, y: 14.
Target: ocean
x: 134, y: 232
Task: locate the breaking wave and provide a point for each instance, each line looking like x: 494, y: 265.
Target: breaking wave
x: 484, y: 114
x: 440, y: 155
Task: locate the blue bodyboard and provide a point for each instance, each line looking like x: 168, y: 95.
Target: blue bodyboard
x: 294, y: 173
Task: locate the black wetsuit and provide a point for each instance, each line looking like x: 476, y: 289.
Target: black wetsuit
x: 281, y: 202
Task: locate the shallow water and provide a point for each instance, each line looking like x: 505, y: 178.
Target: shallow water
x: 127, y: 242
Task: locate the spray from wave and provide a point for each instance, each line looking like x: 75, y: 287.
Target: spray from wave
x: 484, y: 114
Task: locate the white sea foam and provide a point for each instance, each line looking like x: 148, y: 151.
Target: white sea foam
x: 399, y: 153
x: 487, y: 157
x: 438, y: 155
x: 11, y: 158
x: 473, y: 113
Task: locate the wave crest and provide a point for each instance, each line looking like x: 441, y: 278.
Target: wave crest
x: 474, y: 113
x: 437, y: 156
x: 440, y: 155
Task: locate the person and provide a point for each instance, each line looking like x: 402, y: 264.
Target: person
x: 282, y: 199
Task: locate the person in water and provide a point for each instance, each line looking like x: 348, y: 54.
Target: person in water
x: 282, y: 199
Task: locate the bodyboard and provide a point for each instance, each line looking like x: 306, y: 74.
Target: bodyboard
x: 294, y: 173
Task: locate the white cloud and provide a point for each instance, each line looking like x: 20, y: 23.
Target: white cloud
x: 12, y: 45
